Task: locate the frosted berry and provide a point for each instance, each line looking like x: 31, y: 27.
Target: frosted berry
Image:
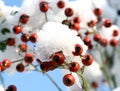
x: 78, y: 50
x: 103, y: 42
x: 68, y: 80
x: 33, y: 38
x: 17, y: 29
x: 20, y: 67
x: 87, y: 40
x: 69, y: 12
x: 115, y: 33
x: 107, y: 23
x: 43, y: 6
x: 97, y: 11
x: 23, y: 47
x: 97, y: 37
x: 58, y: 57
x: 24, y: 18
x: 87, y: 60
x: 91, y: 23
x: 6, y: 63
x: 76, y: 26
x: 74, y: 66
x: 114, y: 42
x: 11, y: 41
x: 25, y: 37
x: 29, y: 58
x: 61, y: 4
x: 76, y: 20
x: 11, y: 88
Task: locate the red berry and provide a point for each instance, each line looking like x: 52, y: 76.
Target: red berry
x: 2, y: 68
x: 74, y: 66
x: 87, y: 41
x: 103, y: 42
x: 115, y: 33
x: 58, y: 57
x: 44, y: 66
x: 43, y: 6
x: 114, y: 42
x: 94, y: 85
x: 11, y: 88
x: 24, y: 37
x: 107, y: 23
x: 23, y: 47
x: 20, y: 67
x: 6, y: 63
x: 97, y: 37
x: 29, y: 58
x: 76, y: 26
x: 78, y: 50
x: 68, y: 80
x: 24, y: 18
x: 11, y: 42
x: 61, y: 4
x: 90, y: 47
x: 17, y: 29
x: 69, y: 12
x: 87, y: 60
x: 33, y: 38
x: 91, y: 23
x: 87, y: 33
x: 76, y: 20
x: 97, y: 11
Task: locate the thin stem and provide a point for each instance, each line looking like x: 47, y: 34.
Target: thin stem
x: 46, y: 17
x: 104, y: 69
x: 50, y: 78
x: 84, y: 81
x: 2, y: 80
x: 17, y: 60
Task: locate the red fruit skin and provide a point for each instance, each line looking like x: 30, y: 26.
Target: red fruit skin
x: 94, y: 85
x: 74, y: 66
x: 68, y: 80
x: 11, y: 42
x: 61, y: 4
x: 2, y: 68
x: 97, y: 37
x: 29, y: 58
x: 69, y: 12
x: 107, y: 23
x: 23, y: 47
x: 87, y: 60
x: 59, y: 58
x: 6, y: 63
x: 11, y: 88
x: 87, y: 40
x: 20, y: 67
x: 115, y: 33
x: 103, y: 42
x: 97, y: 11
x: 114, y: 42
x: 25, y: 38
x: 76, y: 26
x: 76, y: 20
x: 43, y: 6
x: 17, y: 29
x: 24, y: 18
x: 78, y: 50
x: 33, y: 38
x: 92, y: 23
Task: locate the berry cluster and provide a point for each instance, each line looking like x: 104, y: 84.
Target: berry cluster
x: 50, y: 55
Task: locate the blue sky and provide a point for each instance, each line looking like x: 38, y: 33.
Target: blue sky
x: 34, y: 81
